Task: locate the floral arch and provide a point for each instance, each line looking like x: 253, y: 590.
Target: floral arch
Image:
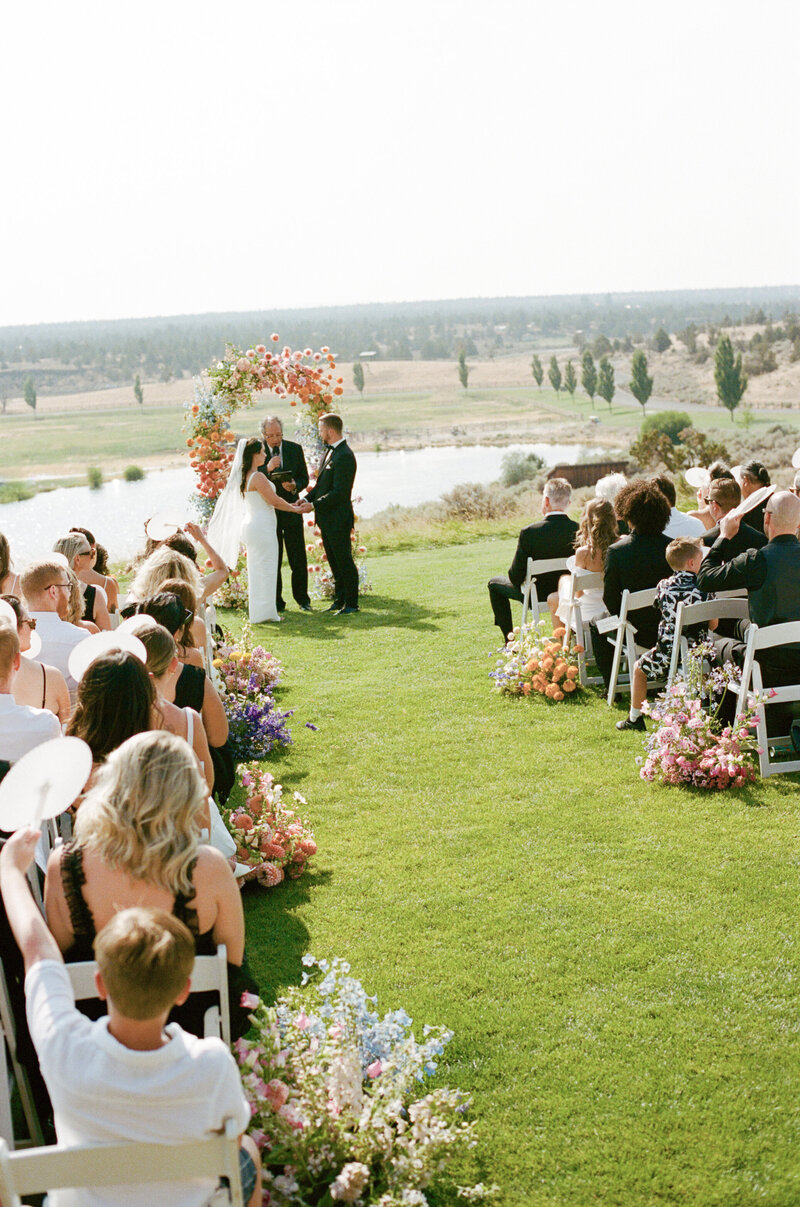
x: 306, y: 379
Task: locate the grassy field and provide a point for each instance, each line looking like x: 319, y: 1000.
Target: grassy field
x: 618, y: 961
x: 66, y: 444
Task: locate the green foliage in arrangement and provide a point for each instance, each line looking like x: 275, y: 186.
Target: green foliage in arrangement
x: 618, y: 969
x: 641, y: 385
x: 605, y: 381
x: 729, y: 376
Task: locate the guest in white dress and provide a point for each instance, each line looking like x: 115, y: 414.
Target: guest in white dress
x: 597, y: 531
x: 245, y: 513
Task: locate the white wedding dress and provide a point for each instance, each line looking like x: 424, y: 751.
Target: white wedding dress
x: 260, y: 536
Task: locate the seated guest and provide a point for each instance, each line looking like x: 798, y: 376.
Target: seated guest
x: 46, y: 588
x: 78, y: 552
x: 597, y: 531
x: 162, y: 564
x: 95, y: 573
x: 550, y: 538
x: 725, y: 495
x: 21, y: 728
x: 608, y: 488
x: 137, y: 842
x: 132, y: 1076
x: 684, y: 557
x: 193, y: 637
x: 115, y: 700
x: 771, y: 576
x: 680, y: 523
x: 9, y: 581
x: 717, y: 469
x: 36, y: 685
x: 756, y: 492
x: 219, y: 572
x: 635, y: 563
x: 164, y: 668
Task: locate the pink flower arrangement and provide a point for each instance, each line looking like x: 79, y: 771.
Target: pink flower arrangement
x: 245, y: 669
x: 271, y: 839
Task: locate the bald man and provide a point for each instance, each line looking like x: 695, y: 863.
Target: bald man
x: 772, y: 578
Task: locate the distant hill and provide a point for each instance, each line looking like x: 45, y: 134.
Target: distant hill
x: 73, y: 357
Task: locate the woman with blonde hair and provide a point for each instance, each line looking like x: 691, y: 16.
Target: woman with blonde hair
x: 35, y: 684
x: 162, y: 564
x: 597, y: 531
x: 137, y: 842
x: 80, y: 557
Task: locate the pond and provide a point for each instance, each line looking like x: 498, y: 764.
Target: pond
x: 117, y: 511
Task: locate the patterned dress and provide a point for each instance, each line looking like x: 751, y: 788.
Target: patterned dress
x: 680, y: 588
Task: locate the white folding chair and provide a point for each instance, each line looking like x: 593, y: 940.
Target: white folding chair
x: 58, y: 1167
x: 530, y: 598
x: 770, y: 637
x: 700, y: 613
x: 20, y: 1077
x: 624, y: 643
x: 581, y: 580
x: 210, y: 973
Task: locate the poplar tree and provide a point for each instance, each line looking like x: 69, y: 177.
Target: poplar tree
x: 554, y: 373
x: 358, y: 376
x: 463, y: 368
x: 29, y: 393
x: 138, y: 392
x: 537, y: 371
x: 589, y: 375
x: 605, y: 381
x: 729, y: 376
x: 570, y: 380
x: 641, y: 385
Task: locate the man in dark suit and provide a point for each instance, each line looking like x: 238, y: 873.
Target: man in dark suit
x: 635, y: 562
x: 723, y: 495
x: 554, y: 536
x: 284, y: 456
x: 772, y: 578
x: 331, y: 496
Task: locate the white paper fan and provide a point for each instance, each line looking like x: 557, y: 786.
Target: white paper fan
x: 162, y: 525
x: 44, y: 782
x: 697, y: 476
x: 98, y: 644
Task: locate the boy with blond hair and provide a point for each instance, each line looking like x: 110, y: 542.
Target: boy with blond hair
x: 130, y: 1076
x: 684, y: 557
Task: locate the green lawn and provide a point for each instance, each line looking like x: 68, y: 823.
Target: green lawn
x: 618, y: 961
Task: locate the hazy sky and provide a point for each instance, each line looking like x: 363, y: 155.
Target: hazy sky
x: 178, y: 157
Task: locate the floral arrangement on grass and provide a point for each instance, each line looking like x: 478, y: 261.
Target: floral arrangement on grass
x: 244, y: 668
x: 271, y: 838
x: 535, y: 663
x: 246, y: 674
x: 335, y: 1092
x: 321, y: 577
x: 690, y: 745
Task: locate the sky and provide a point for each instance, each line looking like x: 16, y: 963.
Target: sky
x: 184, y: 157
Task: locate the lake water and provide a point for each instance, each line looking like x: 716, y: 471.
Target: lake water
x: 117, y: 511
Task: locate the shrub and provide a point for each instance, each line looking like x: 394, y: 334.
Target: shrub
x: 520, y: 467
x: 473, y: 501
x: 94, y: 477
x: 667, y: 423
x: 133, y: 473
x: 15, y: 492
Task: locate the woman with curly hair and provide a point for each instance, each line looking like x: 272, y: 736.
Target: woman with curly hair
x: 636, y: 562
x: 597, y: 531
x: 137, y: 842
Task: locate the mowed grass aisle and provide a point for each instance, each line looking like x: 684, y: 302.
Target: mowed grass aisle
x: 618, y: 961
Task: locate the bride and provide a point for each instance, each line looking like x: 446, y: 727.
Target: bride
x: 245, y: 513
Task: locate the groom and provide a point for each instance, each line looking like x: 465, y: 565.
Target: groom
x: 331, y: 498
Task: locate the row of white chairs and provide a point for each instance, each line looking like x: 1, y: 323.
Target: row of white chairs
x: 731, y: 605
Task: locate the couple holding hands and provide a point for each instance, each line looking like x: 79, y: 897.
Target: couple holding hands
x: 258, y: 508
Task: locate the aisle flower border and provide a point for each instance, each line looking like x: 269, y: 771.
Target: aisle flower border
x: 534, y: 662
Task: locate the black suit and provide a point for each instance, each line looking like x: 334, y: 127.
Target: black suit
x: 554, y: 536
x: 290, y: 526
x: 333, y: 507
x: 746, y: 538
x: 633, y: 563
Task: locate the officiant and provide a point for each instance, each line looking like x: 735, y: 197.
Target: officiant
x: 286, y: 469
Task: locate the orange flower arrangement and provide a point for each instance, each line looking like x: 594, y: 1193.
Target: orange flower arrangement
x: 533, y: 663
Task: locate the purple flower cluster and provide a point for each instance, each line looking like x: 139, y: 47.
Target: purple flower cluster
x: 255, y: 726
